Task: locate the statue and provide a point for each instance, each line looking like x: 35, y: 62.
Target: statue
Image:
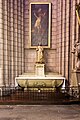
x: 76, y: 51
x: 40, y: 54
x: 78, y: 56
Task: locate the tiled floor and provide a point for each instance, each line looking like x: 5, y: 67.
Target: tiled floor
x: 40, y: 112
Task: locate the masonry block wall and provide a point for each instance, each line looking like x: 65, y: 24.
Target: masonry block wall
x: 67, y: 35
x: 11, y: 41
x: 64, y: 34
x: 15, y: 55
x: 50, y: 54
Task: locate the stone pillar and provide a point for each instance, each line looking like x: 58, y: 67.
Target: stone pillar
x: 15, y: 38
x: 1, y: 45
x: 22, y: 37
x: 5, y: 37
x: 19, y: 37
x: 75, y: 76
x: 60, y: 37
x: 63, y: 37
x: 12, y: 45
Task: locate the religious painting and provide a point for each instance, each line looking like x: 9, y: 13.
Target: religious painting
x: 40, y: 17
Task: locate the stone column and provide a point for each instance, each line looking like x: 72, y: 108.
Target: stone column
x: 1, y: 45
x: 63, y: 37
x: 15, y: 37
x: 12, y: 45
x: 22, y: 37
x: 60, y: 36
x: 5, y: 43
x: 19, y: 38
x: 75, y: 76
x: 73, y: 33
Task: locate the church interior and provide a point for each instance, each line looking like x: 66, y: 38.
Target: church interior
x: 40, y: 45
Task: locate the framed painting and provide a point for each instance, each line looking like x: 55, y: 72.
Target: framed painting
x: 40, y: 19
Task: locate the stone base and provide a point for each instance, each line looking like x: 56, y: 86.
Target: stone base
x: 75, y: 78
x: 40, y: 69
x: 75, y: 83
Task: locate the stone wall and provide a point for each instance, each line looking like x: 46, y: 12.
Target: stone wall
x: 11, y: 41
x: 64, y: 33
x: 30, y: 54
x: 67, y: 35
x: 15, y: 55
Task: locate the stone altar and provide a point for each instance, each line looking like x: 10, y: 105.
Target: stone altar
x: 40, y: 80
x: 49, y: 81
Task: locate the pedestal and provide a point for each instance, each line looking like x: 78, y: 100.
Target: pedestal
x: 75, y: 83
x: 75, y: 78
x: 40, y: 69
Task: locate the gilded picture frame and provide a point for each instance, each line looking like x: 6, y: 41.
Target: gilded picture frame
x: 40, y: 23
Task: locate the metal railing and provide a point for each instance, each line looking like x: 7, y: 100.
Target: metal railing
x: 39, y: 95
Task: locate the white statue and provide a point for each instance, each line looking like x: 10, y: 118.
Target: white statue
x: 40, y: 55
